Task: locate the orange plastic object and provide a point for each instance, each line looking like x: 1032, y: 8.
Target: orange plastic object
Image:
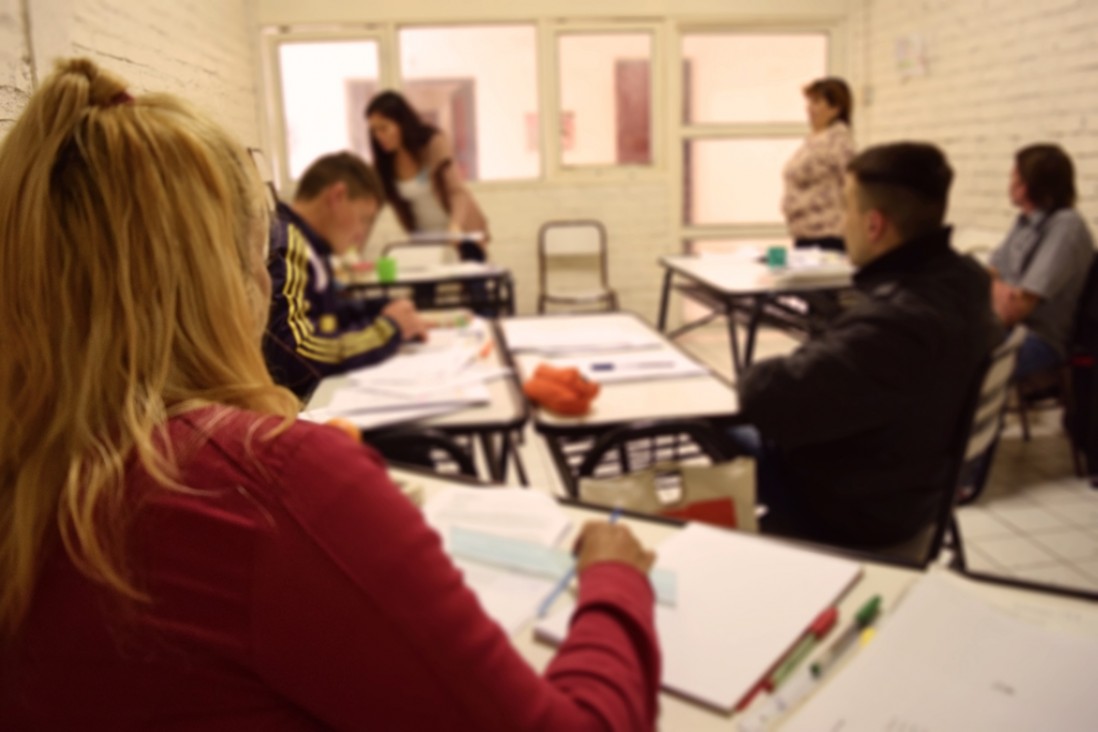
x: 563, y: 391
x: 347, y: 427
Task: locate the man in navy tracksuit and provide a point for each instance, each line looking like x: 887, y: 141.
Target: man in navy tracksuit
x: 311, y: 333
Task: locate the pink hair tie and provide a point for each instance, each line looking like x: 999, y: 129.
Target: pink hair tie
x: 121, y: 97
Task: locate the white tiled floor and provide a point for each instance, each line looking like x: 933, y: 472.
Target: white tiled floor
x: 1035, y: 520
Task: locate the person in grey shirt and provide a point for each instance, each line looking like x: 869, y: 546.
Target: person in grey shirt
x: 1039, y: 271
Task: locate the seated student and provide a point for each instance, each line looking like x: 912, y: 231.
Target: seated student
x: 857, y: 424
x: 312, y: 334
x: 176, y: 552
x: 1040, y: 269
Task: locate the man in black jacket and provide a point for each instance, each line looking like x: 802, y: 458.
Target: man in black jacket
x: 858, y: 424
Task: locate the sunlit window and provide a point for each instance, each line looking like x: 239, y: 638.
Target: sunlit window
x: 735, y: 181
x: 479, y: 85
x: 325, y: 87
x: 606, y: 99
x: 749, y: 78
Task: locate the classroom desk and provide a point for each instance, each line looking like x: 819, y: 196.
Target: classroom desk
x: 736, y: 286
x: 889, y: 581
x: 706, y: 396
x: 482, y: 286
x: 490, y: 425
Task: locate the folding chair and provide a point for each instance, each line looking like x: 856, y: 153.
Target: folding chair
x: 977, y: 437
x: 572, y: 266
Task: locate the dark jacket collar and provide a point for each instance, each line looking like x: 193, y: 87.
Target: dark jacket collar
x: 909, y: 256
x: 320, y: 244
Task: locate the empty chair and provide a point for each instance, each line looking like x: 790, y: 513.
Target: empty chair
x: 572, y: 266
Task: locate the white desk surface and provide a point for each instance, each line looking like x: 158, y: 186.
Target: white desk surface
x: 506, y: 405
x: 419, y: 273
x: 890, y: 582
x: 696, y: 396
x: 738, y: 275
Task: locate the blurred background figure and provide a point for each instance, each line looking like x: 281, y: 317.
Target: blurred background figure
x: 813, y: 200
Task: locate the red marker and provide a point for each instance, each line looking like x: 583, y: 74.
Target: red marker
x: 820, y: 627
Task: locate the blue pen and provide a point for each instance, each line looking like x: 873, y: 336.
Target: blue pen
x: 566, y: 580
x: 631, y: 365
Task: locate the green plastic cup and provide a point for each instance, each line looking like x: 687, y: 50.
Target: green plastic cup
x: 386, y: 269
x: 775, y: 257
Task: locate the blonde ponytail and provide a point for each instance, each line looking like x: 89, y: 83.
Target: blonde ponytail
x: 129, y: 237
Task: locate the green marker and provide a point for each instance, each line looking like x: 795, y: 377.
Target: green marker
x: 862, y: 619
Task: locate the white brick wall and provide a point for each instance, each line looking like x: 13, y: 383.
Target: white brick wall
x: 1000, y: 74
x: 201, y: 50
x: 15, y: 69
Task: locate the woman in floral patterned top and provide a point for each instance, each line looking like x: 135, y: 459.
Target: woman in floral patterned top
x: 813, y: 200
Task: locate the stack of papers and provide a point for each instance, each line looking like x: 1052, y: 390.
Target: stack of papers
x: 643, y: 365
x: 440, y: 376
x: 514, y: 516
x: 594, y: 334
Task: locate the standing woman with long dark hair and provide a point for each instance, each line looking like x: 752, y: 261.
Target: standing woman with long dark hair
x: 415, y: 162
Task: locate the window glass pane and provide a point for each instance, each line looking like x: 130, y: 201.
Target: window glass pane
x: 749, y: 78
x: 605, y: 94
x: 735, y: 181
x: 479, y: 85
x: 325, y: 87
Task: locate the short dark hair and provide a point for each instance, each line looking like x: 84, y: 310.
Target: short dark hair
x: 343, y: 167
x: 906, y: 181
x: 1048, y: 174
x: 835, y: 92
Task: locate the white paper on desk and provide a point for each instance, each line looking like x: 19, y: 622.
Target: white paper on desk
x: 514, y: 513
x: 373, y: 420
x: 646, y: 365
x: 511, y: 598
x: 591, y: 334
x: 446, y: 356
x: 369, y: 409
x: 743, y: 602
x: 946, y: 660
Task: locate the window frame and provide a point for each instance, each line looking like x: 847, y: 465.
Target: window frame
x: 272, y: 39
x: 551, y: 93
x: 682, y: 132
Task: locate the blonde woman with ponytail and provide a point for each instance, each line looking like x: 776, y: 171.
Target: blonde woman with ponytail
x: 175, y: 550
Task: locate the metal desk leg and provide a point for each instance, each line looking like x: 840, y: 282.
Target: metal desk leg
x: 665, y: 296
x: 560, y: 459
x: 753, y: 321
x: 730, y: 321
x: 492, y: 458
x: 510, y: 449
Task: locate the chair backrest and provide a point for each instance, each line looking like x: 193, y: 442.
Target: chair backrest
x: 1085, y: 334
x: 575, y: 247
x: 994, y: 389
x: 978, y: 428
x: 639, y: 445
x: 428, y: 448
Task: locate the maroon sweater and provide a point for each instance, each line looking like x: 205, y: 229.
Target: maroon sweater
x: 300, y: 590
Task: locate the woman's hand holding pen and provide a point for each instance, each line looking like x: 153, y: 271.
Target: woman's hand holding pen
x: 600, y: 541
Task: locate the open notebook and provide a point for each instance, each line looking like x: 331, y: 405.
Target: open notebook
x: 946, y: 659
x: 742, y: 602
